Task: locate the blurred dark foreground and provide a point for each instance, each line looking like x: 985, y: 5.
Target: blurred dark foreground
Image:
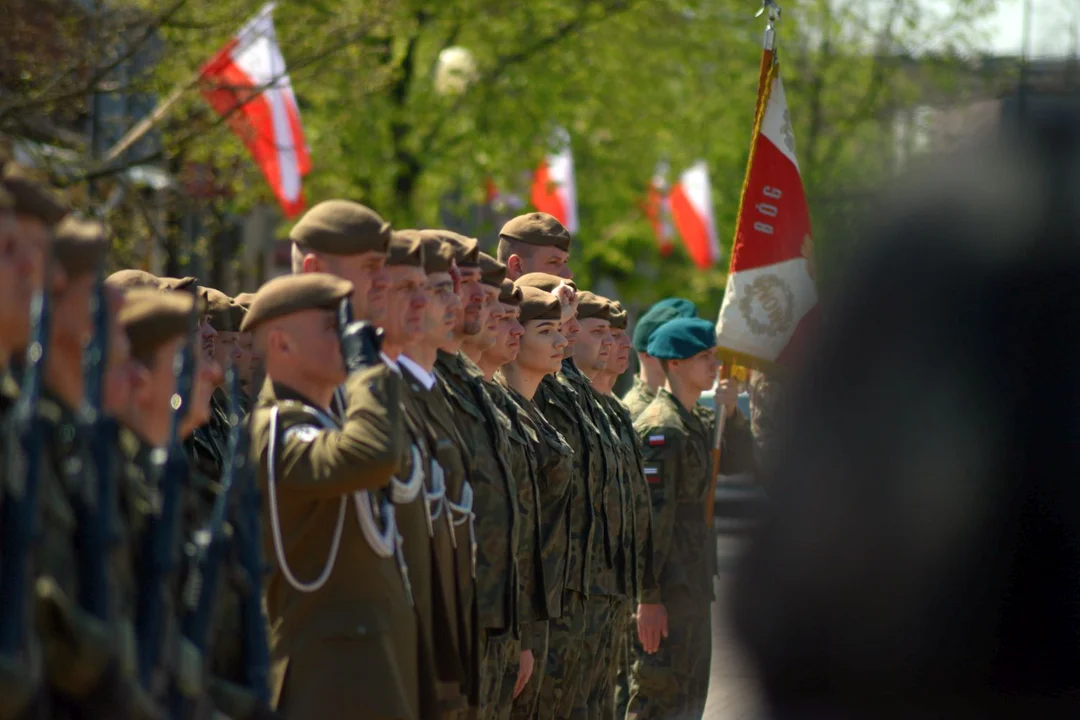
x: 921, y: 553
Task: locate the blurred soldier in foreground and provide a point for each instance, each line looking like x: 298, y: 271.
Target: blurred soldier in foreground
x: 919, y: 558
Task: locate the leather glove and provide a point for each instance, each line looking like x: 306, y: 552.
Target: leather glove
x: 360, y: 341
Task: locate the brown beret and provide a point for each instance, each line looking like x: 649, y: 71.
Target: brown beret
x: 438, y: 255
x: 466, y: 249
x: 537, y: 229
x: 244, y: 300
x: 131, y: 279
x: 509, y: 293
x: 289, y: 294
x: 591, y: 305
x: 492, y: 272
x: 33, y: 198
x: 539, y: 305
x: 406, y: 248
x: 544, y: 281
x: 224, y: 314
x: 620, y: 319
x: 152, y: 318
x: 341, y: 227
x: 80, y: 246
x: 182, y: 283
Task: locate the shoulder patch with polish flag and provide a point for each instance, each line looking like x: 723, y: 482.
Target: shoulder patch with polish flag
x: 652, y: 474
x: 656, y: 440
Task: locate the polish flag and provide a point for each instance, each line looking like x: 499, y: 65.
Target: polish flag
x: 658, y: 209
x: 247, y: 83
x: 770, y: 305
x: 691, y: 209
x: 553, y: 189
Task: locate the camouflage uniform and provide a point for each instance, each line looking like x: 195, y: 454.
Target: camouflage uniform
x: 559, y: 400
x: 610, y: 582
x: 453, y: 603
x: 638, y: 397
x: 676, y: 445
x: 485, y: 430
x: 640, y: 542
x: 765, y: 394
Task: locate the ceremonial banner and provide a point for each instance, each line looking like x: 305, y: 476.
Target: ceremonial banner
x: 770, y: 303
x: 247, y: 83
x: 658, y: 209
x: 553, y: 189
x: 691, y: 209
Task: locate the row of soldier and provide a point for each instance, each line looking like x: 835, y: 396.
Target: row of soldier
x: 459, y: 518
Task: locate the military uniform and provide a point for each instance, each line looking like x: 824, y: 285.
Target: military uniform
x: 485, y: 430
x: 638, y: 397
x: 455, y: 604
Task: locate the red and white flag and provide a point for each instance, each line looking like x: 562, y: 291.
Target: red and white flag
x: 770, y: 305
x: 553, y: 189
x: 247, y: 83
x: 692, y: 211
x: 658, y: 209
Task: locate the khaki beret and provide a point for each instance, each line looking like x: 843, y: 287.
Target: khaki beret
x: 492, y: 272
x: 509, y: 293
x: 591, y: 305
x: 341, y: 227
x: 438, y: 255
x: 290, y: 294
x: 152, y: 318
x: 466, y: 249
x: 544, y: 281
x: 620, y: 319
x: 183, y: 283
x: 131, y: 279
x: 406, y: 248
x: 32, y: 198
x: 537, y: 228
x: 224, y: 314
x: 244, y: 300
x: 539, y: 305
x: 80, y: 246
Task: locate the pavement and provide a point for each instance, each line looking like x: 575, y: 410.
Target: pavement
x: 733, y: 690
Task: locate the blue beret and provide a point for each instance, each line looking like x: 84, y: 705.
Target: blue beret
x: 660, y: 313
x: 682, y: 338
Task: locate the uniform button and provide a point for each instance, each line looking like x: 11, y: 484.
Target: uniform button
x: 361, y: 630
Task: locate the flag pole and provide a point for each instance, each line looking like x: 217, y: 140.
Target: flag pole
x: 141, y: 128
x: 768, y: 58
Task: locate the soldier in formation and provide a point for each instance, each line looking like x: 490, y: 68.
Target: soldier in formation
x: 394, y: 483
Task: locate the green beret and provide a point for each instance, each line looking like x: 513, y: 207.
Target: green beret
x: 591, y: 305
x: 80, y: 246
x: 684, y: 307
x: 538, y: 305
x: 660, y: 313
x: 341, y: 227
x: 537, y: 229
x: 544, y: 281
x: 152, y: 318
x: 466, y: 249
x: 406, y: 248
x: 244, y: 299
x: 290, y: 294
x: 131, y: 279
x: 438, y: 255
x: 682, y: 338
x: 619, y: 317
x: 492, y: 272
x: 188, y: 284
x: 32, y: 198
x: 220, y: 309
x: 509, y: 293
